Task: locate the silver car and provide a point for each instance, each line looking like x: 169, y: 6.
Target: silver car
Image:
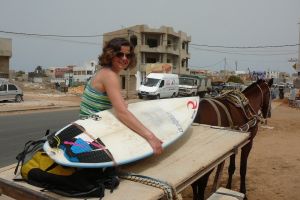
x: 11, y: 92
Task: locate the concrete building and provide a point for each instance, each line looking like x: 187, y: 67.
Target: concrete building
x: 5, y: 54
x: 161, y: 45
x: 82, y: 74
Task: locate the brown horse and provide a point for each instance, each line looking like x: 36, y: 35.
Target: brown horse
x: 241, y: 111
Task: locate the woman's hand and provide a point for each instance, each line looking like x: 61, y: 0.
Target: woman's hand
x: 156, y: 145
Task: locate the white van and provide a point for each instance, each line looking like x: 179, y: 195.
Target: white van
x: 159, y: 85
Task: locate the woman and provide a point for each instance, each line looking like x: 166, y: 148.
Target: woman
x: 103, y: 90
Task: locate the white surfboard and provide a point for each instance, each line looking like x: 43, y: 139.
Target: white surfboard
x: 103, y: 141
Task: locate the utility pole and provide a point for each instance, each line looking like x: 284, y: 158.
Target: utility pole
x: 225, y: 70
x: 236, y: 65
x: 298, y: 63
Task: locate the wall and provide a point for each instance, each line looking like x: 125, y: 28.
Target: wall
x: 5, y: 54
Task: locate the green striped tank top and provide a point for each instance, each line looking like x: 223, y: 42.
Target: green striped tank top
x: 93, y: 101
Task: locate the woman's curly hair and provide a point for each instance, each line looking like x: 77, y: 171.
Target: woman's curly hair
x: 111, y: 48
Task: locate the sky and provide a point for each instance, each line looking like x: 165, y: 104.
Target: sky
x: 227, y: 23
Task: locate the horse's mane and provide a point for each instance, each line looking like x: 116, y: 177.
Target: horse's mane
x: 259, y: 81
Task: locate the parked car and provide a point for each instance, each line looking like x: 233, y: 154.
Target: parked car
x: 10, y: 92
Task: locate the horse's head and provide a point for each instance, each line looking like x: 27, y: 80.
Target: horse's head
x: 265, y: 88
x: 259, y: 94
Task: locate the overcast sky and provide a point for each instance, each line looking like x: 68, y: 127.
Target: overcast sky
x: 230, y: 23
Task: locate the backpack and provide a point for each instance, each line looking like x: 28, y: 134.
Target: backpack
x: 38, y: 169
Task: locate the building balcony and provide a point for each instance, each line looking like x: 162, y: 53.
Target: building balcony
x: 158, y: 49
x: 172, y: 50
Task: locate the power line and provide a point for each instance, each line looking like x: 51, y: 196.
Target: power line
x: 56, y: 35
x: 191, y: 44
x: 247, y: 54
x: 245, y: 47
x: 48, y: 35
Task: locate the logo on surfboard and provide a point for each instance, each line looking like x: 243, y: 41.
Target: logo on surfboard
x: 192, y: 104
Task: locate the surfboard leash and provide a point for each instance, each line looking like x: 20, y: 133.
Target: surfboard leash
x: 168, y: 189
x: 98, y: 142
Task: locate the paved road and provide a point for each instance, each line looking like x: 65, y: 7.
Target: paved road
x: 17, y: 129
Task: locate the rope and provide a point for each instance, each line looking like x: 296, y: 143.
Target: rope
x: 236, y: 97
x: 168, y: 189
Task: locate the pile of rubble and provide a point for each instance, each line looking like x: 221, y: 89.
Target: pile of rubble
x: 76, y: 90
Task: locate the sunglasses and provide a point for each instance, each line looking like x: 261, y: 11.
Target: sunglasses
x: 121, y: 55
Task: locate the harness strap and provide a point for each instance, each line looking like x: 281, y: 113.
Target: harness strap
x: 168, y: 189
x: 243, y: 107
x: 226, y: 111
x: 248, y: 125
x: 216, y: 110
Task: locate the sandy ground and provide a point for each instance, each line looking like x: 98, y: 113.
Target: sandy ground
x: 39, y: 101
x: 274, y: 162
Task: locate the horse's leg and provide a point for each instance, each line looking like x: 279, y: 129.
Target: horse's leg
x: 195, y: 190
x: 231, y: 170
x: 243, y: 170
x: 199, y: 186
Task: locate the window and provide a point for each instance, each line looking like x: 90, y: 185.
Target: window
x: 89, y: 72
x: 162, y: 83
x: 183, y: 45
x: 12, y: 87
x: 182, y: 62
x: 152, y: 42
x: 150, y: 60
x: 123, y: 82
x: 3, y: 87
x: 169, y: 43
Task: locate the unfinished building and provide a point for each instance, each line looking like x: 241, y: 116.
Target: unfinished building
x: 153, y: 46
x: 5, y: 54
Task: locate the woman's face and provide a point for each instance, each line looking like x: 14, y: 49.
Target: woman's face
x: 122, y: 59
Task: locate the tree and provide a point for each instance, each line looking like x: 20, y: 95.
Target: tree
x: 39, y: 72
x: 19, y: 73
x: 235, y: 79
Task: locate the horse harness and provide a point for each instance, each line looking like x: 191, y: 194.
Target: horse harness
x: 239, y: 100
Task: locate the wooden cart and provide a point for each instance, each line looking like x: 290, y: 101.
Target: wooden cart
x: 201, y: 149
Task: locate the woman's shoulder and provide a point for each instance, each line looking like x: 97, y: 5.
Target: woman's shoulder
x: 105, y: 73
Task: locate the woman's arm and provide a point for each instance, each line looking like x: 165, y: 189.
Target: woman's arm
x: 112, y: 87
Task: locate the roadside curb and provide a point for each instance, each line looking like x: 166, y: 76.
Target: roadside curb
x: 36, y: 108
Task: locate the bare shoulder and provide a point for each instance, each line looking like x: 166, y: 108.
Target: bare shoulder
x: 105, y: 73
x: 107, y: 76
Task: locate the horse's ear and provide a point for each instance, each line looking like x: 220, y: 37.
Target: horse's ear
x: 259, y: 81
x: 270, y: 82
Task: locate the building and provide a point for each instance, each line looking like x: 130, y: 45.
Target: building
x: 84, y: 73
x: 162, y: 45
x: 5, y: 55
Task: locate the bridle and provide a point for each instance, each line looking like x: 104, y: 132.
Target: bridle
x: 262, y: 97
